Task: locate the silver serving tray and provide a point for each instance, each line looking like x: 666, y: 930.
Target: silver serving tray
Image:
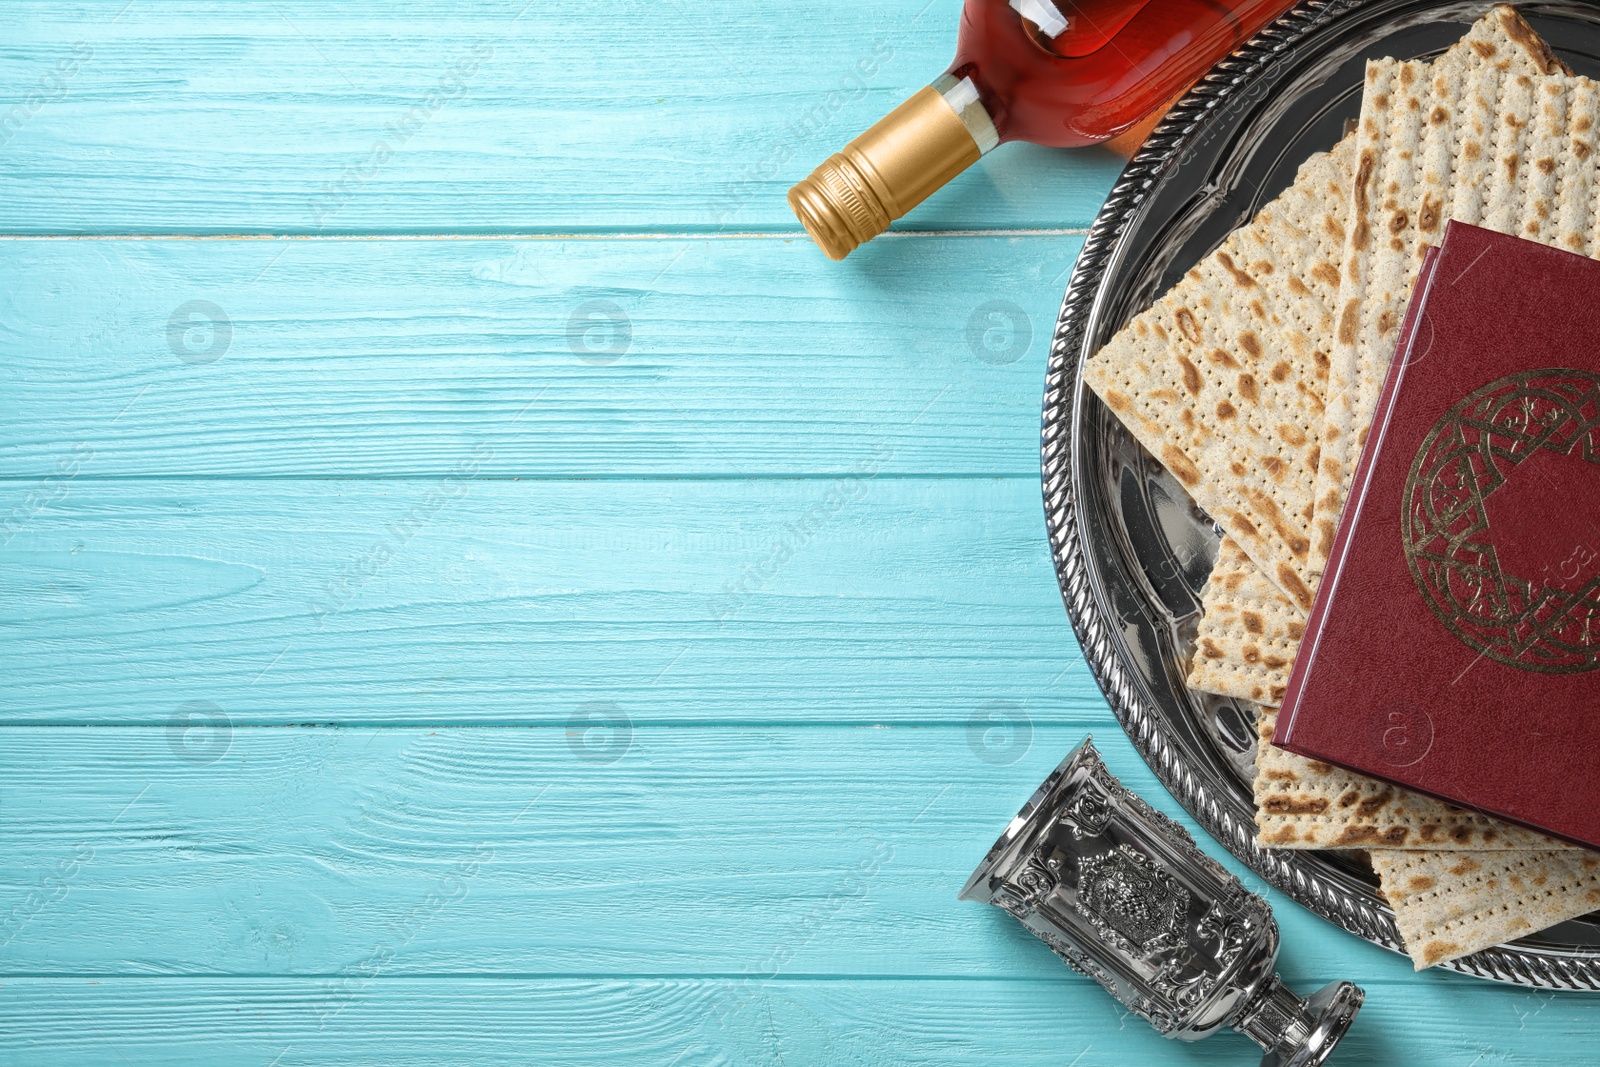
x: 1131, y: 551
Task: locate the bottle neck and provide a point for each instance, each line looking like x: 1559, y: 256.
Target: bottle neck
x: 894, y: 166
x: 962, y: 96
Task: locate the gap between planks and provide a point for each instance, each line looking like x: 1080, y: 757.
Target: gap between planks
x: 432, y: 479
x: 1066, y: 978
x: 681, y: 235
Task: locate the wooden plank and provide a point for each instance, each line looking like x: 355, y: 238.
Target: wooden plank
x: 591, y: 850
x: 523, y: 358
x: 1437, y: 1021
x: 476, y: 600
x: 429, y: 116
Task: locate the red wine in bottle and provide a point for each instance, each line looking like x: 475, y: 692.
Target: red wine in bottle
x: 1062, y: 73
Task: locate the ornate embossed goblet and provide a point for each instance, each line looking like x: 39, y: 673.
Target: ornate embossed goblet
x: 1123, y: 895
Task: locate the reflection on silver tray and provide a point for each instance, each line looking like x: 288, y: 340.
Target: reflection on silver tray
x: 1131, y: 552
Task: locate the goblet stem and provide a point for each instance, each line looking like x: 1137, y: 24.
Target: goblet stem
x: 1121, y: 893
x: 1295, y: 1032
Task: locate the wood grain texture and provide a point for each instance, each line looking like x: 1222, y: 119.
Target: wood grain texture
x: 1439, y: 1021
x: 494, y: 601
x: 528, y: 359
x: 427, y: 116
x: 583, y: 850
x: 601, y: 631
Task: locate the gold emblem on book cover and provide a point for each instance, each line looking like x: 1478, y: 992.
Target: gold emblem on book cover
x: 1494, y: 526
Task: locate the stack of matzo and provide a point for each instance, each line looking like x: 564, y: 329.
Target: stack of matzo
x: 1254, y: 380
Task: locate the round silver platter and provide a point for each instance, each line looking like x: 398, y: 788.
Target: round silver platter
x: 1131, y: 551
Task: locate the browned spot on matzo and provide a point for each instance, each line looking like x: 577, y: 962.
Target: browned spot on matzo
x: 1288, y: 805
x: 1513, y: 26
x: 1187, y: 325
x: 1191, y: 376
x: 1179, y: 464
x: 1347, y: 322
x: 1241, y: 277
x: 1298, y: 591
x: 1359, y: 229
x: 1428, y: 215
x: 1448, y: 904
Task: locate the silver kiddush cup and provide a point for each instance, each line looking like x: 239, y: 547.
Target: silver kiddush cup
x: 1123, y: 895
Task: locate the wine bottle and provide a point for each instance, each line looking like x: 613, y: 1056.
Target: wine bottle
x: 1061, y: 73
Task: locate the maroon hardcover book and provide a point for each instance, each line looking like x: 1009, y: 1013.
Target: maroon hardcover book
x: 1454, y: 644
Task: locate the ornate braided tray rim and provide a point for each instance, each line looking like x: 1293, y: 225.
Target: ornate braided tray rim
x: 1224, y: 816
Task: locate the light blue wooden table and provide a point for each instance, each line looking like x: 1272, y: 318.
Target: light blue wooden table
x: 477, y: 586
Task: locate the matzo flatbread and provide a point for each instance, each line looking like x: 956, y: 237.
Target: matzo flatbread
x: 1559, y: 209
x: 1249, y: 631
x: 1304, y: 803
x: 1451, y: 141
x: 1230, y: 659
x: 1222, y: 378
x: 1448, y: 904
x: 1578, y: 229
x: 1443, y: 912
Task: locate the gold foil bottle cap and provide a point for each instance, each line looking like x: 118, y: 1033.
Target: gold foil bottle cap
x: 893, y: 167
